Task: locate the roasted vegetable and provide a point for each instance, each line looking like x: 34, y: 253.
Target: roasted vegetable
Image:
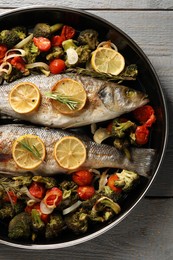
x: 77, y: 221
x: 70, y: 196
x: 36, y: 222
x: 14, y: 75
x: 6, y: 211
x: 20, y: 226
x: 89, y: 37
x: 55, y: 226
x: 84, y: 54
x: 56, y: 52
x: 11, y: 37
x: 104, y: 209
x: 126, y: 180
x: 32, y: 52
x: 45, y: 30
x: 49, y: 182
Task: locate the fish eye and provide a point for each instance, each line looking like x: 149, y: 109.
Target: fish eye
x: 129, y: 93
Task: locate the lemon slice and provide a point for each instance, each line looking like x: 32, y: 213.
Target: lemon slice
x: 68, y: 96
x: 24, y: 97
x: 107, y: 60
x: 28, y: 151
x: 70, y: 152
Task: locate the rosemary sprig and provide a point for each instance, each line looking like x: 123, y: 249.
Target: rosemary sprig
x: 32, y: 149
x: 72, y: 104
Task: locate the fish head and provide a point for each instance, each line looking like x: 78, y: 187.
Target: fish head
x: 122, y: 99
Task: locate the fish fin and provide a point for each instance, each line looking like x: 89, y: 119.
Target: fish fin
x: 143, y: 160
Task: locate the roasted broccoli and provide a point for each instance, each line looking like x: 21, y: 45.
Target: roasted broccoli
x: 32, y: 52
x: 56, y: 52
x: 89, y: 37
x: 22, y: 180
x: 6, y: 211
x: 84, y: 53
x: 104, y: 209
x: 55, y: 226
x: 70, y: 196
x: 20, y: 226
x: 126, y: 179
x: 45, y: 30
x: 77, y: 221
x: 36, y: 222
x: 14, y: 75
x: 11, y: 37
x: 120, y: 127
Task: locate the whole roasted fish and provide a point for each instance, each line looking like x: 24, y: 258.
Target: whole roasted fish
x: 105, y: 100
x: 98, y: 155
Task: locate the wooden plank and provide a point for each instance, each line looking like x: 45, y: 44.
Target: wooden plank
x: 147, y: 233
x: 99, y: 4
x: 156, y: 42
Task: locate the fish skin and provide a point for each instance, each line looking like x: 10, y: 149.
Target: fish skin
x: 105, y: 100
x: 98, y: 155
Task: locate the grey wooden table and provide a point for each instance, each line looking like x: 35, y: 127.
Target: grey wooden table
x: 147, y: 233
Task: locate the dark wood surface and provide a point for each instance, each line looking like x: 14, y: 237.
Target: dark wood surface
x: 147, y: 233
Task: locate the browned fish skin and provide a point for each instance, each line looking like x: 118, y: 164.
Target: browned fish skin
x: 98, y: 155
x: 105, y: 101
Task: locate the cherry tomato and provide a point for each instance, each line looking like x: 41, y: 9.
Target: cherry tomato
x: 111, y: 183
x: 53, y: 197
x: 44, y: 217
x: 82, y: 178
x: 141, y: 134
x: 42, y: 43
x: 85, y: 192
x: 142, y: 114
x: 37, y: 190
x: 18, y: 63
x: 68, y: 32
x: 3, y: 50
x: 11, y: 195
x: 57, y: 66
x: 57, y: 40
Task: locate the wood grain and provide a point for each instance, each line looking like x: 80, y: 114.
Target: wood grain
x: 146, y: 234
x: 99, y: 4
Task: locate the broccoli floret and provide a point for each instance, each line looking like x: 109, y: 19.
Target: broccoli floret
x: 84, y: 53
x: 120, y: 128
x: 36, y: 222
x: 104, y: 209
x: 9, y: 38
x: 126, y: 179
x: 6, y: 211
x: 32, y: 52
x: 20, y: 226
x: 20, y: 31
x: 69, y: 189
x: 45, y: 30
x: 56, y: 52
x: 22, y: 180
x: 77, y: 221
x: 49, y: 182
x: 89, y: 37
x: 55, y: 226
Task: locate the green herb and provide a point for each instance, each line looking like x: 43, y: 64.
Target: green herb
x: 130, y: 73
x: 32, y: 149
x: 72, y: 104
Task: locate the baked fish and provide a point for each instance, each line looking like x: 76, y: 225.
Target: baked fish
x: 98, y: 155
x: 105, y: 100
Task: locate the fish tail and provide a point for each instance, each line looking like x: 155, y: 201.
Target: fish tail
x: 142, y: 160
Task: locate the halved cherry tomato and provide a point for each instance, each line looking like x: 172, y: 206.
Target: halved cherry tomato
x: 82, y: 178
x: 85, y: 192
x: 44, y: 217
x: 11, y: 195
x: 42, y: 43
x: 53, y: 197
x: 37, y: 190
x: 3, y: 50
x: 142, y: 134
x: 56, y: 66
x: 111, y: 183
x: 68, y: 32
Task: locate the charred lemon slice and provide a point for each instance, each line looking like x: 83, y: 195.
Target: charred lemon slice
x: 24, y: 97
x: 28, y: 151
x: 70, y: 152
x: 68, y: 96
x: 107, y: 60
